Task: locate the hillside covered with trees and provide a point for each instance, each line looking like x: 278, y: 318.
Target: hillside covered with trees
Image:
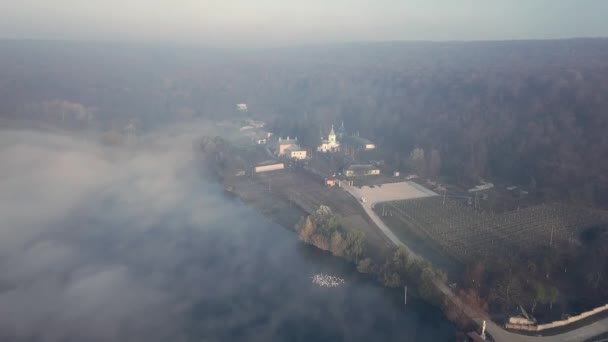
x: 532, y: 113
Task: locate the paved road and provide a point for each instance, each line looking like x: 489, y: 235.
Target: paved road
x: 367, y: 206
x: 499, y: 334
x: 386, y: 193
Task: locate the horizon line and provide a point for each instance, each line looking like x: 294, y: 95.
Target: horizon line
x: 254, y: 45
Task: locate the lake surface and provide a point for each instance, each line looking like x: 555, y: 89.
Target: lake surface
x: 97, y: 248
x: 241, y: 277
x: 259, y: 287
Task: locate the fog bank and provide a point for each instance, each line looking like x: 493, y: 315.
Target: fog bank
x: 90, y: 235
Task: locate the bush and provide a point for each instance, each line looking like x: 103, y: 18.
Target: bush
x: 365, y: 265
x: 355, y: 245
x: 391, y: 279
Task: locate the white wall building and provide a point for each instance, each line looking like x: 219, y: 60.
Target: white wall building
x: 361, y: 170
x: 269, y: 167
x: 296, y: 154
x: 289, y: 148
x: 369, y: 146
x: 282, y: 146
x: 331, y: 144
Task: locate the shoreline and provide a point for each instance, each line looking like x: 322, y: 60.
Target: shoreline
x: 290, y: 198
x: 464, y: 318
x: 260, y: 203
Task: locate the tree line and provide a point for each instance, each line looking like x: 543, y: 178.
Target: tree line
x: 531, y: 113
x: 324, y: 230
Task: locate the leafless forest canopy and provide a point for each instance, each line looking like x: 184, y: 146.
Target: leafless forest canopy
x: 532, y: 113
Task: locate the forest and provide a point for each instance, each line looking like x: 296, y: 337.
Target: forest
x: 530, y: 113
x: 527, y: 113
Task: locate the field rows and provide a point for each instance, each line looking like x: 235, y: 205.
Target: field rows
x: 466, y: 234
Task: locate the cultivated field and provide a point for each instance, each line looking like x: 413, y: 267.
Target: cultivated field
x: 466, y: 234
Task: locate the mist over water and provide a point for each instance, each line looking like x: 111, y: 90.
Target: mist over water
x: 101, y: 243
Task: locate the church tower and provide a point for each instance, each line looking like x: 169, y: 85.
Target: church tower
x: 341, y: 131
x: 332, y: 135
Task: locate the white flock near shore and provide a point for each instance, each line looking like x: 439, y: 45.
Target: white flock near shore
x: 326, y: 280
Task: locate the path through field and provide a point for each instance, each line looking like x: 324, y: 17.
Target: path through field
x: 368, y: 197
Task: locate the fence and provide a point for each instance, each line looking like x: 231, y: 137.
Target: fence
x: 557, y: 324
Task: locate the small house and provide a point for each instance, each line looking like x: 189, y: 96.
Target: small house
x: 268, y: 166
x: 331, y: 181
x: 361, y: 170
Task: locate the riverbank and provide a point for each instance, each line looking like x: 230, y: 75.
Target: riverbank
x: 389, y: 267
x: 268, y: 203
x: 285, y: 195
x: 289, y: 198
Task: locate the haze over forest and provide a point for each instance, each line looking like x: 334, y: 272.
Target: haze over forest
x: 527, y: 112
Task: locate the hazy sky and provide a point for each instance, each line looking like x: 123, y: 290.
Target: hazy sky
x: 288, y: 21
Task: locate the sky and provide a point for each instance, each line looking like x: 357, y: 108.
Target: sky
x: 262, y: 22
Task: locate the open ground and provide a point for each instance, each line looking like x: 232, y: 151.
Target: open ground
x: 295, y: 193
x: 391, y: 192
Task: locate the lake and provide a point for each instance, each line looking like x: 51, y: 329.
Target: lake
x: 105, y: 244
x: 258, y: 286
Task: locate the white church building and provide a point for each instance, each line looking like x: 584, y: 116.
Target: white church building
x: 330, y: 144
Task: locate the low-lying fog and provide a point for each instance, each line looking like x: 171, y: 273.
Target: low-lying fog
x: 101, y: 243
x: 89, y: 234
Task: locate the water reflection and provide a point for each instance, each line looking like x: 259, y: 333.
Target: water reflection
x: 272, y: 296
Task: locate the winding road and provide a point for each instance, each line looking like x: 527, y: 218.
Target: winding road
x: 587, y: 332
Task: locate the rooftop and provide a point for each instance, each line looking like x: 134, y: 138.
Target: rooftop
x: 283, y: 141
x: 361, y: 167
x: 268, y: 162
x: 357, y: 140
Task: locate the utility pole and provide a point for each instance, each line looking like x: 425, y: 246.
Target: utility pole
x: 405, y: 295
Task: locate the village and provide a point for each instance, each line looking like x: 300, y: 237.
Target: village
x: 450, y: 225
x: 343, y: 159
x: 347, y: 172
